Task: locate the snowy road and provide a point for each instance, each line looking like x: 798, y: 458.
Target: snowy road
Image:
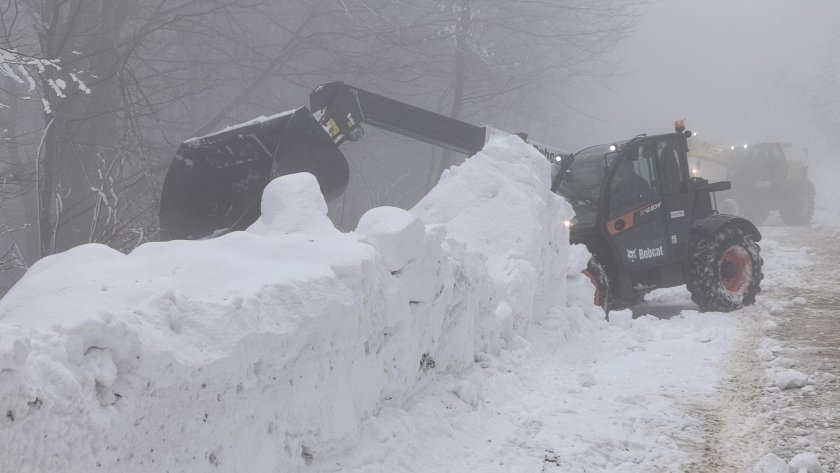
x: 574, y: 398
x: 807, y: 339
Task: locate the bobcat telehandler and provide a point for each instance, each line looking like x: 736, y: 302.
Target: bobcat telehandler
x: 646, y: 221
x: 764, y: 176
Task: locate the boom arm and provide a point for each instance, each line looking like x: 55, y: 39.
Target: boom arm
x: 341, y: 109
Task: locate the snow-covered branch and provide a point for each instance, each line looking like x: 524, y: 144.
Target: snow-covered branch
x: 22, y: 68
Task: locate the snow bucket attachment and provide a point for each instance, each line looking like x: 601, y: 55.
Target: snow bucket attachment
x: 215, y: 182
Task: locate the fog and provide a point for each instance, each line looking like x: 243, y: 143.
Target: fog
x: 94, y: 102
x: 738, y: 71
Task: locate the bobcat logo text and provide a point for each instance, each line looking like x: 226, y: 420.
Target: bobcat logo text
x: 645, y: 253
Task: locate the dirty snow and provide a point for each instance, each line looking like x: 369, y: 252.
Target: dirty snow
x: 459, y: 336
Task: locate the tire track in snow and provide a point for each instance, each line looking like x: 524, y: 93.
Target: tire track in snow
x: 732, y: 438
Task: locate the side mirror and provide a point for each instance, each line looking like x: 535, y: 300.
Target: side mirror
x: 719, y: 186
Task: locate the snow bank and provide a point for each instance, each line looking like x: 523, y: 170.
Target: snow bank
x: 264, y: 349
x: 526, y: 246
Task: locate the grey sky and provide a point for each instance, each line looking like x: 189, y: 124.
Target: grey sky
x: 721, y: 64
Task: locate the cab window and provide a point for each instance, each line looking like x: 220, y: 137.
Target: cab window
x: 670, y: 165
x: 635, y: 180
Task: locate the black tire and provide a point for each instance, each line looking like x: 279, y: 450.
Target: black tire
x: 798, y: 208
x: 598, y: 275
x: 726, y: 271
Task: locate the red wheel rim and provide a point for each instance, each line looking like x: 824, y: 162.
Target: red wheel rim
x: 735, y: 269
x: 598, y: 299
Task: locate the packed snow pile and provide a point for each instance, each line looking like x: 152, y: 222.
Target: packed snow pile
x: 264, y: 349
x: 481, y: 204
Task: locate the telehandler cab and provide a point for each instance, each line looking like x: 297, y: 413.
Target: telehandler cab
x: 649, y: 225
x: 646, y: 221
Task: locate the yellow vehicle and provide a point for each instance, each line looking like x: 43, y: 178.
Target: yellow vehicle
x: 765, y: 177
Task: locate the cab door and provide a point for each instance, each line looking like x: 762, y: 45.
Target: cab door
x: 636, y: 219
x: 678, y: 201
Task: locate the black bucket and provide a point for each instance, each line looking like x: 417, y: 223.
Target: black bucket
x: 215, y: 183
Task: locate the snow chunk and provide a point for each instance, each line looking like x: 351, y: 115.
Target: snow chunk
x: 292, y: 204
x: 765, y: 354
x: 578, y: 260
x: 621, y: 318
x: 396, y: 233
x: 14, y: 350
x: 789, y: 379
x: 829, y: 378
x: 776, y: 309
x: 805, y: 463
x: 771, y: 463
x: 101, y: 364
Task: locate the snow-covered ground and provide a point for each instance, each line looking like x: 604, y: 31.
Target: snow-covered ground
x: 577, y: 394
x: 459, y: 336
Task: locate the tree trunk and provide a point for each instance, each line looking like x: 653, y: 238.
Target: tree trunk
x: 16, y: 243
x: 84, y: 131
x: 462, y: 31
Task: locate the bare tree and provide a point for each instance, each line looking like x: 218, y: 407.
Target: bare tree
x: 94, y: 173
x: 490, y: 61
x: 125, y: 81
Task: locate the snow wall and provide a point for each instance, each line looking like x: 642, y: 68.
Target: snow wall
x: 263, y: 349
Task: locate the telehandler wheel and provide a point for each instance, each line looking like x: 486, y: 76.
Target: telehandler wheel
x: 726, y: 271
x: 799, y: 203
x: 598, y: 275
